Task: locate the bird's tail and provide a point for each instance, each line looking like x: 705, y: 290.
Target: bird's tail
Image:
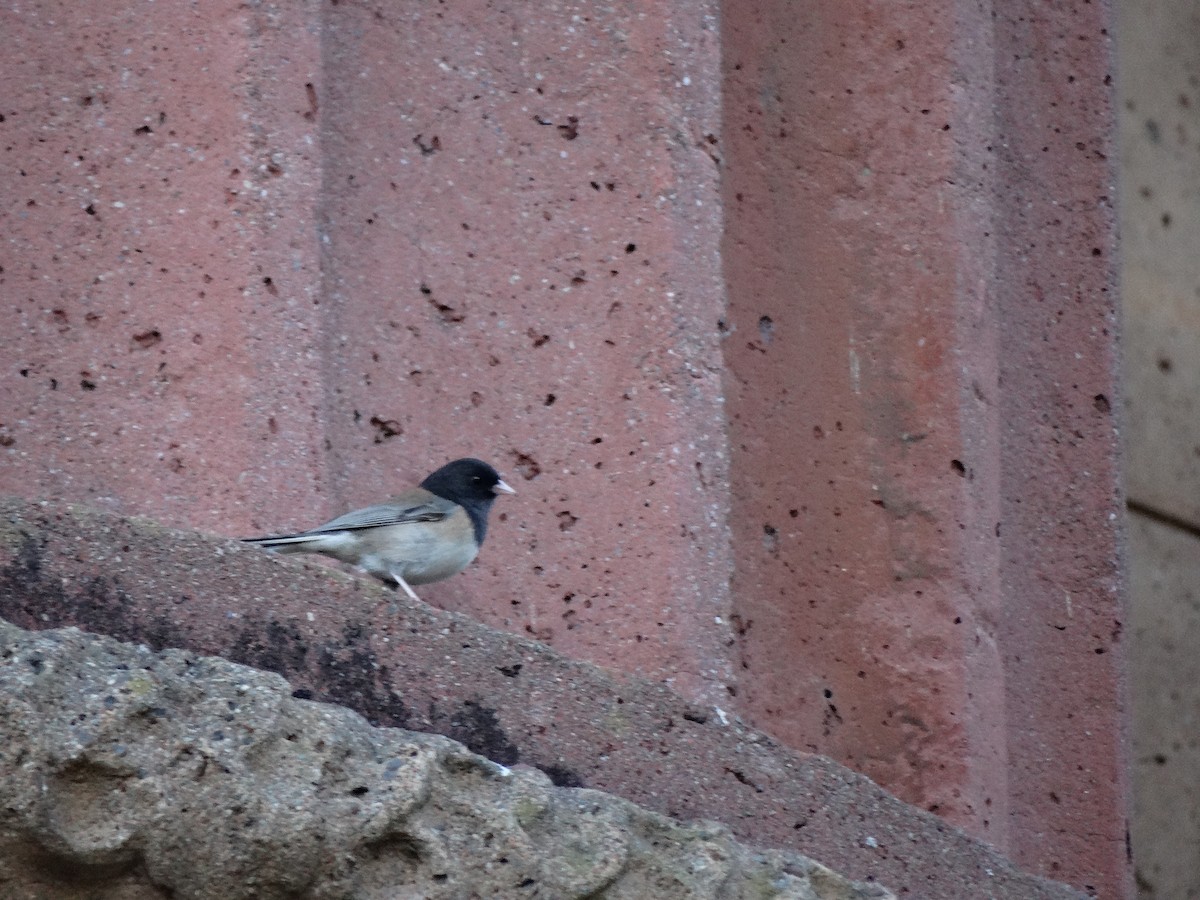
x: 288, y: 543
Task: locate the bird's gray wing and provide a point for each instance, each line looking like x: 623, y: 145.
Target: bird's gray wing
x: 432, y: 509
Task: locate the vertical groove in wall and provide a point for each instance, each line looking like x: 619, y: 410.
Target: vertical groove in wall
x: 1062, y: 633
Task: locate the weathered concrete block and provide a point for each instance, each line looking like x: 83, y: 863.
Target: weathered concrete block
x: 169, y: 774
x: 347, y: 639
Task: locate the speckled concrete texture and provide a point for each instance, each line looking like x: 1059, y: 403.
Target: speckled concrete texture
x: 158, y: 170
x: 817, y: 300
x: 1160, y: 225
x: 860, y: 529
x: 268, y: 263
x: 1060, y: 612
x: 521, y: 264
x: 349, y: 640
x: 921, y: 370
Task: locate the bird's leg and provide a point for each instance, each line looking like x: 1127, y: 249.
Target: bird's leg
x: 400, y: 582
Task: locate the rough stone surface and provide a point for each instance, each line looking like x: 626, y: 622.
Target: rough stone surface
x: 192, y: 777
x: 346, y: 639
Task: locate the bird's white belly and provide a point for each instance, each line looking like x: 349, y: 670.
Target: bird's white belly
x: 434, y: 565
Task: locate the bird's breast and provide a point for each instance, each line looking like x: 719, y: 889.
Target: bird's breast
x: 441, y: 564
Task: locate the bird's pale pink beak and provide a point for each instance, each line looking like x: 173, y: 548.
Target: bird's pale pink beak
x: 503, y: 488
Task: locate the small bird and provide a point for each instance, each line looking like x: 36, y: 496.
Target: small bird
x: 426, y: 534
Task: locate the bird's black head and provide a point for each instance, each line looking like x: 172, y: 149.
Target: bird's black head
x: 472, y: 484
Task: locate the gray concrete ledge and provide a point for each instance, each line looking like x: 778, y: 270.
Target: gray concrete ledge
x: 344, y: 639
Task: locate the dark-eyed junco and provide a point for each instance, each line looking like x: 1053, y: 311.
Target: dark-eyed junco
x: 426, y: 534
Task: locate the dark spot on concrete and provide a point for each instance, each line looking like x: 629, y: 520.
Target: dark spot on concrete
x: 561, y: 776
x: 147, y: 339
x: 743, y: 779
x: 385, y: 428
x: 277, y: 646
x: 97, y: 605
x: 570, y: 131
x: 958, y: 467
x: 478, y: 728
x: 449, y: 314
x: 347, y: 674
x: 526, y: 465
x: 430, y: 147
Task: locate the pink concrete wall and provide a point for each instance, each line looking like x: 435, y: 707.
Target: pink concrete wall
x: 521, y: 263
x: 145, y: 370
x: 847, y: 340
x: 330, y: 247
x: 853, y: 259
x: 922, y: 370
